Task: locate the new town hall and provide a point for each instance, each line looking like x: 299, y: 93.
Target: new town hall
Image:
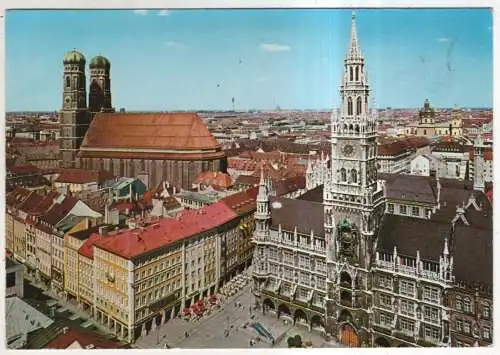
x: 394, y: 260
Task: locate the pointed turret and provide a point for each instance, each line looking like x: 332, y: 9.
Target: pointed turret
x: 263, y: 195
x: 354, y: 51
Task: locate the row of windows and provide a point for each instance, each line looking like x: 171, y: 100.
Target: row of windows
x: 465, y: 305
x: 403, y: 210
x: 158, y: 267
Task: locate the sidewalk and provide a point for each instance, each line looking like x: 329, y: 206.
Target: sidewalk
x: 59, y: 303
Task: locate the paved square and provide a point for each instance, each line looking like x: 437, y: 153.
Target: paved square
x: 209, y: 333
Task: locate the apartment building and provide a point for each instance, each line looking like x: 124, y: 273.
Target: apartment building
x: 144, y: 276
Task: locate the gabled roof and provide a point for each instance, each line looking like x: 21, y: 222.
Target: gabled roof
x: 216, y: 179
x: 82, y: 176
x: 242, y: 202
x: 409, y: 234
x: 66, y: 339
x: 23, y: 169
x: 285, y: 186
x: 291, y: 213
x: 22, y: 318
x: 157, y: 131
x: 411, y: 188
x: 87, y: 249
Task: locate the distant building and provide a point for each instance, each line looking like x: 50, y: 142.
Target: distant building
x: 429, y: 127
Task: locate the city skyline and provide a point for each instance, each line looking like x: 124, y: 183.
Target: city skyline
x: 181, y: 59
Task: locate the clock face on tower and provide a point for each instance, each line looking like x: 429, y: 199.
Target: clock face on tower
x: 348, y: 150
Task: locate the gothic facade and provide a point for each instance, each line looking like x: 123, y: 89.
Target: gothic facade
x: 173, y: 147
x: 374, y: 260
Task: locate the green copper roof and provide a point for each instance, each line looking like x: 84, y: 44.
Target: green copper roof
x: 99, y: 62
x: 74, y: 57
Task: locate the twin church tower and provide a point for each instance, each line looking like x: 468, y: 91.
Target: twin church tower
x: 75, y: 115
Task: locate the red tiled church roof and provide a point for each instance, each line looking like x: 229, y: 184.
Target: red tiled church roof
x: 161, y: 131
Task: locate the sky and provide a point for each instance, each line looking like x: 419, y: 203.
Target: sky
x: 264, y: 58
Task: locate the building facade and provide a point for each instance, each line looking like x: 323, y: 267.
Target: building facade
x: 375, y: 260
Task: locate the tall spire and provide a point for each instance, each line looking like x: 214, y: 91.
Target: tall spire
x: 354, y: 51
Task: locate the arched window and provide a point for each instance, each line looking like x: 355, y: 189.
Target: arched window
x: 467, y: 305
x: 459, y: 305
x: 345, y: 127
x: 486, y: 311
x: 425, y: 132
x: 356, y: 128
x: 359, y: 106
x: 349, y: 106
x: 357, y: 73
x: 350, y: 74
x: 354, y: 176
x: 68, y: 82
x: 343, y: 175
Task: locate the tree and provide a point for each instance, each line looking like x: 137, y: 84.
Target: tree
x: 298, y: 341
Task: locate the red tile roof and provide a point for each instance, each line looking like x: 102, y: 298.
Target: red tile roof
x: 216, y: 179
x: 24, y: 169
x: 82, y: 176
x: 133, y: 243
x: 87, y: 249
x: 150, y: 155
x: 242, y: 202
x: 176, y: 131
x: 85, y: 339
x: 393, y: 148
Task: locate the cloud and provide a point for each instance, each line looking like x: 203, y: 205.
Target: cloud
x: 443, y: 39
x: 270, y: 47
x: 175, y: 44
x: 262, y: 79
x: 163, y: 13
x: 141, y: 12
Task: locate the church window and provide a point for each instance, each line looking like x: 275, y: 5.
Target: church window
x: 68, y: 82
x: 354, y: 176
x: 459, y: 305
x: 343, y: 175
x: 357, y: 73
x: 349, y: 106
x: 359, y: 106
x: 356, y: 128
x: 350, y: 74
